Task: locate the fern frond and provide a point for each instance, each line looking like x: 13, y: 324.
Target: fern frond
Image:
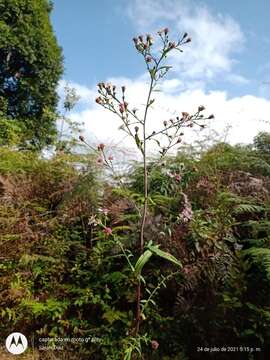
x: 261, y: 258
x: 248, y: 208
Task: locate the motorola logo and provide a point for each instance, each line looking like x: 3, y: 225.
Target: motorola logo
x: 16, y: 343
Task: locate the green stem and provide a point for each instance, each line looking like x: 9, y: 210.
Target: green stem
x: 138, y: 291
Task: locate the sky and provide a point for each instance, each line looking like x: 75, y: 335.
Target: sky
x: 226, y: 67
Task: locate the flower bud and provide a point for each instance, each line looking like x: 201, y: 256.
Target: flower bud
x: 201, y: 108
x: 140, y: 38
x: 188, y: 40
x: 154, y: 344
x: 211, y: 116
x: 172, y: 45
x: 121, y: 108
x: 136, y: 129
x: 148, y: 59
x: 82, y: 138
x: 123, y: 89
x: 110, y: 158
x: 165, y: 123
x: 99, y: 100
x: 101, y: 147
x: 185, y: 35
x: 107, y: 231
x: 149, y: 40
x: 166, y: 30
x: 185, y: 114
x: 135, y: 40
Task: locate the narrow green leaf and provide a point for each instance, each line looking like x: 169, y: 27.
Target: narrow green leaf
x: 155, y: 249
x: 143, y: 259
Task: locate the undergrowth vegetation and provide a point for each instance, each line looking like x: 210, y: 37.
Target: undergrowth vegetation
x: 63, y: 273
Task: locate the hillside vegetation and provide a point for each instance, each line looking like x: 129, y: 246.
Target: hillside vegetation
x: 64, y: 274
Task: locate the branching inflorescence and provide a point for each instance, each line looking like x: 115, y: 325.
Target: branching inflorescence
x: 166, y: 137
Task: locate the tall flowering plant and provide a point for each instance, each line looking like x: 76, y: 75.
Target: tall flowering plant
x: 134, y: 123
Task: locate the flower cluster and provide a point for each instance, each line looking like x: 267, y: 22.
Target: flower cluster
x: 186, y: 214
x: 115, y: 101
x: 102, y: 157
x: 144, y: 45
x: 173, y: 128
x: 154, y: 344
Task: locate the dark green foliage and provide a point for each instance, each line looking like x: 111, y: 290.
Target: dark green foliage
x: 262, y: 142
x: 62, y: 275
x: 30, y: 67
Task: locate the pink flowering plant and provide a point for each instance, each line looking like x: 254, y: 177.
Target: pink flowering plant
x: 166, y: 137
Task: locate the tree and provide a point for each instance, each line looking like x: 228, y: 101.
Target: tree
x: 30, y: 67
x: 262, y: 142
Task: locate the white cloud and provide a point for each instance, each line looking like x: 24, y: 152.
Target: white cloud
x: 237, y: 79
x: 215, y: 38
x: 210, y: 56
x: 247, y: 115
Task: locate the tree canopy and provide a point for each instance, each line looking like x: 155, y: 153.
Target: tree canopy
x: 30, y: 67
